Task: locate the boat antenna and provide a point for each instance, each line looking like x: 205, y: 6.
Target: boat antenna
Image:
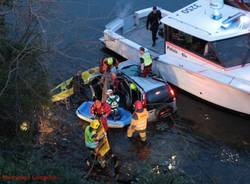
x: 216, y: 5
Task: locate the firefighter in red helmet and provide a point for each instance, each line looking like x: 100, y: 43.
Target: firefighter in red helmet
x: 139, y: 121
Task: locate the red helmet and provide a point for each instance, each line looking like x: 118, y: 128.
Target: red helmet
x: 97, y: 104
x: 138, y: 105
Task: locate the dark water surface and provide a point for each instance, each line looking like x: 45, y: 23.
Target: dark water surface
x: 210, y: 144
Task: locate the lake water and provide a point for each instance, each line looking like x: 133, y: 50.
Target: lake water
x: 210, y: 144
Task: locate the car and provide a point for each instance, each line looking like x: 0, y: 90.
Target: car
x: 157, y: 95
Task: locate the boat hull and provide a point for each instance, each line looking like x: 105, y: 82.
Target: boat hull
x: 205, y: 88
x: 64, y: 90
x: 197, y: 78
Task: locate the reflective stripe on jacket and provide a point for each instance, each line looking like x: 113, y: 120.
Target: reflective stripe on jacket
x: 147, y: 59
x: 90, y: 141
x: 113, y: 101
x: 140, y: 122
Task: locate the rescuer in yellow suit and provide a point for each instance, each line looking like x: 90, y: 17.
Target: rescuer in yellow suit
x: 139, y: 121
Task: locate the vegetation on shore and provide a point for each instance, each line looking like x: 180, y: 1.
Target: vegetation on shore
x: 23, y: 79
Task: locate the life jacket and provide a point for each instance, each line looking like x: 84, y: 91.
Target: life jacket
x: 147, y: 59
x: 141, y: 122
x: 90, y: 141
x: 113, y: 101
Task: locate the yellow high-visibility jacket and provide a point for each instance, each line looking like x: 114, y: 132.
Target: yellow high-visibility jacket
x: 139, y: 120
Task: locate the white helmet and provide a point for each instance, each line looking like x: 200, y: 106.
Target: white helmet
x: 109, y: 92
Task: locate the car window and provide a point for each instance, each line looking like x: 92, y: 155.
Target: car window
x: 132, y: 70
x: 157, y: 95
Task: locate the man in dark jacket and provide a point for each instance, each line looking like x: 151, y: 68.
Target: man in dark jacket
x: 153, y: 21
x: 78, y: 86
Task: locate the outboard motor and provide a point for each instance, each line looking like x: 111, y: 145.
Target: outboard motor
x: 216, y: 5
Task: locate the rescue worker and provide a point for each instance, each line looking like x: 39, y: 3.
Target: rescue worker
x: 77, y: 83
x: 115, y: 82
x: 105, y: 68
x: 135, y: 94
x: 101, y: 110
x: 107, y: 64
x: 153, y: 20
x: 96, y: 140
x: 146, y: 62
x: 113, y: 100
x: 106, y: 80
x: 78, y: 88
x: 139, y: 121
x: 90, y: 135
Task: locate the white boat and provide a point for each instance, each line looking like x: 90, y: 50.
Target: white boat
x: 204, y: 51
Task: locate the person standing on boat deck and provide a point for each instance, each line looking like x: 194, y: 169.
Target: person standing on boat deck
x: 139, y: 121
x: 146, y: 62
x: 153, y: 20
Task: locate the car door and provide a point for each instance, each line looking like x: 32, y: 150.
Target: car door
x: 134, y: 94
x: 124, y: 92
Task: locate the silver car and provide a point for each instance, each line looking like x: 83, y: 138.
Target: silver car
x: 157, y: 96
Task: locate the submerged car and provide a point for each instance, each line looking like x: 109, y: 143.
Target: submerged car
x: 157, y: 95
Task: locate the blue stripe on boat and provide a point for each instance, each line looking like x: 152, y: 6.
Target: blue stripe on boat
x: 83, y: 112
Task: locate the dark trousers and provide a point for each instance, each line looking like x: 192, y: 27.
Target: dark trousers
x: 147, y: 70
x: 154, y: 34
x: 115, y: 114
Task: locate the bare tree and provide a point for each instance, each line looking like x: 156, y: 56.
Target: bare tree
x: 23, y: 79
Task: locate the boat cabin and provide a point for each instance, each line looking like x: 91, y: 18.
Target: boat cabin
x: 193, y: 33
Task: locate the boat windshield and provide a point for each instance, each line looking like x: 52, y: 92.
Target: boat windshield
x: 234, y: 51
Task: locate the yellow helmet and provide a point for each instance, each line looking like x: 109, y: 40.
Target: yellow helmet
x: 110, y: 61
x: 95, y: 124
x: 133, y: 86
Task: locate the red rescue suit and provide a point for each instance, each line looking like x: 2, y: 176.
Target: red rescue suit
x: 102, y: 113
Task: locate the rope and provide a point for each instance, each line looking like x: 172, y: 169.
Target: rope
x: 96, y: 153
x: 91, y: 168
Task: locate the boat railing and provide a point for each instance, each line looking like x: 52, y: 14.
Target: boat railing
x: 115, y: 25
x: 123, y: 25
x: 115, y: 40
x: 121, y: 45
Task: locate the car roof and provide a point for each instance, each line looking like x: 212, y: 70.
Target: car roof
x: 147, y: 83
